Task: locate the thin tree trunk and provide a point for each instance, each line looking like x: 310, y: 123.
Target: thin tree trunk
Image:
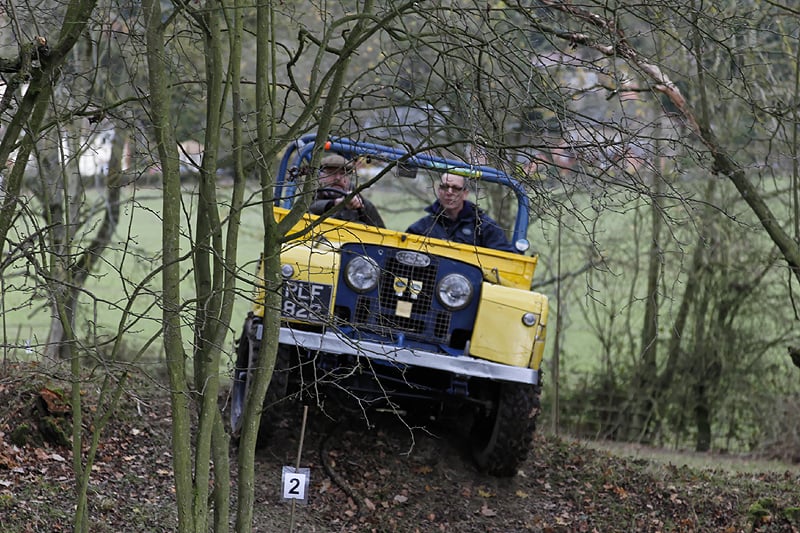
x: 649, y: 341
x: 171, y: 258
x: 220, y: 442
x: 208, y: 268
x: 698, y: 364
x: 270, y: 252
x: 702, y: 418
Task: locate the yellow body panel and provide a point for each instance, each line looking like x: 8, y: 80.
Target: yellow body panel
x: 505, y: 268
x: 541, y: 335
x: 499, y: 333
x: 315, y: 264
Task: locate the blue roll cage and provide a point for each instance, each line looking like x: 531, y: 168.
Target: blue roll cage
x: 300, y: 151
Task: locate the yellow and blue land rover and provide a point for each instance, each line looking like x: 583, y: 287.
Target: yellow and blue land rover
x: 384, y: 318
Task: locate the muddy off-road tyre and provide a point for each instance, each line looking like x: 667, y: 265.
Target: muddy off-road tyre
x: 239, y: 383
x: 275, y: 400
x: 502, y: 438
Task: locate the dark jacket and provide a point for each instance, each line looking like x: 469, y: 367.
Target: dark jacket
x: 367, y: 214
x: 472, y: 226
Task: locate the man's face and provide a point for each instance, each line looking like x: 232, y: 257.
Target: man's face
x: 452, y: 192
x: 335, y: 177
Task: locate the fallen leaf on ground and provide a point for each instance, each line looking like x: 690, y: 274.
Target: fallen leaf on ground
x: 485, y: 511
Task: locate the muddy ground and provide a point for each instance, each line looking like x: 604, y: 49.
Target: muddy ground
x: 385, y: 477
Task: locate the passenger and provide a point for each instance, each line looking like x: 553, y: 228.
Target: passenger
x: 334, y: 186
x: 454, y: 218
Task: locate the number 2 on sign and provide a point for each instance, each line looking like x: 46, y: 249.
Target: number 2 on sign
x: 294, y: 483
x: 294, y: 487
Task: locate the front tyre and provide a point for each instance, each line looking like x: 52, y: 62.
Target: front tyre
x: 247, y: 351
x: 503, y: 436
x: 240, y: 380
x: 276, y: 399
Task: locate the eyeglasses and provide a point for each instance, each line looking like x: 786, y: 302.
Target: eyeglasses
x: 333, y: 173
x: 332, y: 170
x: 450, y: 188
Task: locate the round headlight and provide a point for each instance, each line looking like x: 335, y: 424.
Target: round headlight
x: 362, y: 274
x: 454, y: 292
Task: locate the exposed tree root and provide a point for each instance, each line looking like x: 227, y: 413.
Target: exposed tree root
x: 335, y: 428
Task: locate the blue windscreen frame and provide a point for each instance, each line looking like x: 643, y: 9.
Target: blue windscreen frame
x: 300, y: 151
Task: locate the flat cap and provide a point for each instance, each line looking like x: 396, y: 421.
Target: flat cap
x: 334, y: 161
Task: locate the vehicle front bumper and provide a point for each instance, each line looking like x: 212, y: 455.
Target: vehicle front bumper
x: 331, y: 342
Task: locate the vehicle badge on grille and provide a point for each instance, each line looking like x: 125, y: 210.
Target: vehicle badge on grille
x: 400, y: 285
x: 414, y: 259
x: 415, y: 288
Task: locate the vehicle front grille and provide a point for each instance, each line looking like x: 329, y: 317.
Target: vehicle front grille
x: 404, y: 303
x: 394, y: 270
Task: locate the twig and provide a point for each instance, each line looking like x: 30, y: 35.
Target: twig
x: 334, y: 428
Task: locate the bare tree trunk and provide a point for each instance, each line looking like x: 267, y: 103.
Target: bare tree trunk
x: 648, y: 369
x: 265, y: 44
x: 77, y: 272
x: 208, y: 268
x: 171, y: 259
x: 702, y: 418
x: 220, y: 442
x: 697, y: 367
x: 724, y: 162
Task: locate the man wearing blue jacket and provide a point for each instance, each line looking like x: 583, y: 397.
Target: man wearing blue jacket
x: 454, y: 218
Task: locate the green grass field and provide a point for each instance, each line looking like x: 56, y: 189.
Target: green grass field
x: 127, y: 269
x: 135, y: 254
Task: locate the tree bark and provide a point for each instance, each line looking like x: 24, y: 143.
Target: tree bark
x: 208, y: 266
x: 723, y: 162
x: 171, y: 259
x: 648, y: 371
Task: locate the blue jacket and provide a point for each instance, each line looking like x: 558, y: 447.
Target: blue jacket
x: 472, y: 226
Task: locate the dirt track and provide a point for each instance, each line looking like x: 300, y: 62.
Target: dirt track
x: 383, y: 478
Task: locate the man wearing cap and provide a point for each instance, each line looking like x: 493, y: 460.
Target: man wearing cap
x: 454, y: 218
x: 334, y: 186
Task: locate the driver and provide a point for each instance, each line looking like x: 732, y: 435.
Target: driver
x: 334, y: 185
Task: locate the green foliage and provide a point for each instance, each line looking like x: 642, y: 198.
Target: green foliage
x: 7, y: 500
x: 55, y: 430
x: 733, y: 345
x: 21, y: 434
x: 767, y: 510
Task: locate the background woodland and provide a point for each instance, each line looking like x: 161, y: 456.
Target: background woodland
x: 659, y: 144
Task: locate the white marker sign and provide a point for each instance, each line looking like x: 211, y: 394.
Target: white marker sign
x: 294, y: 483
